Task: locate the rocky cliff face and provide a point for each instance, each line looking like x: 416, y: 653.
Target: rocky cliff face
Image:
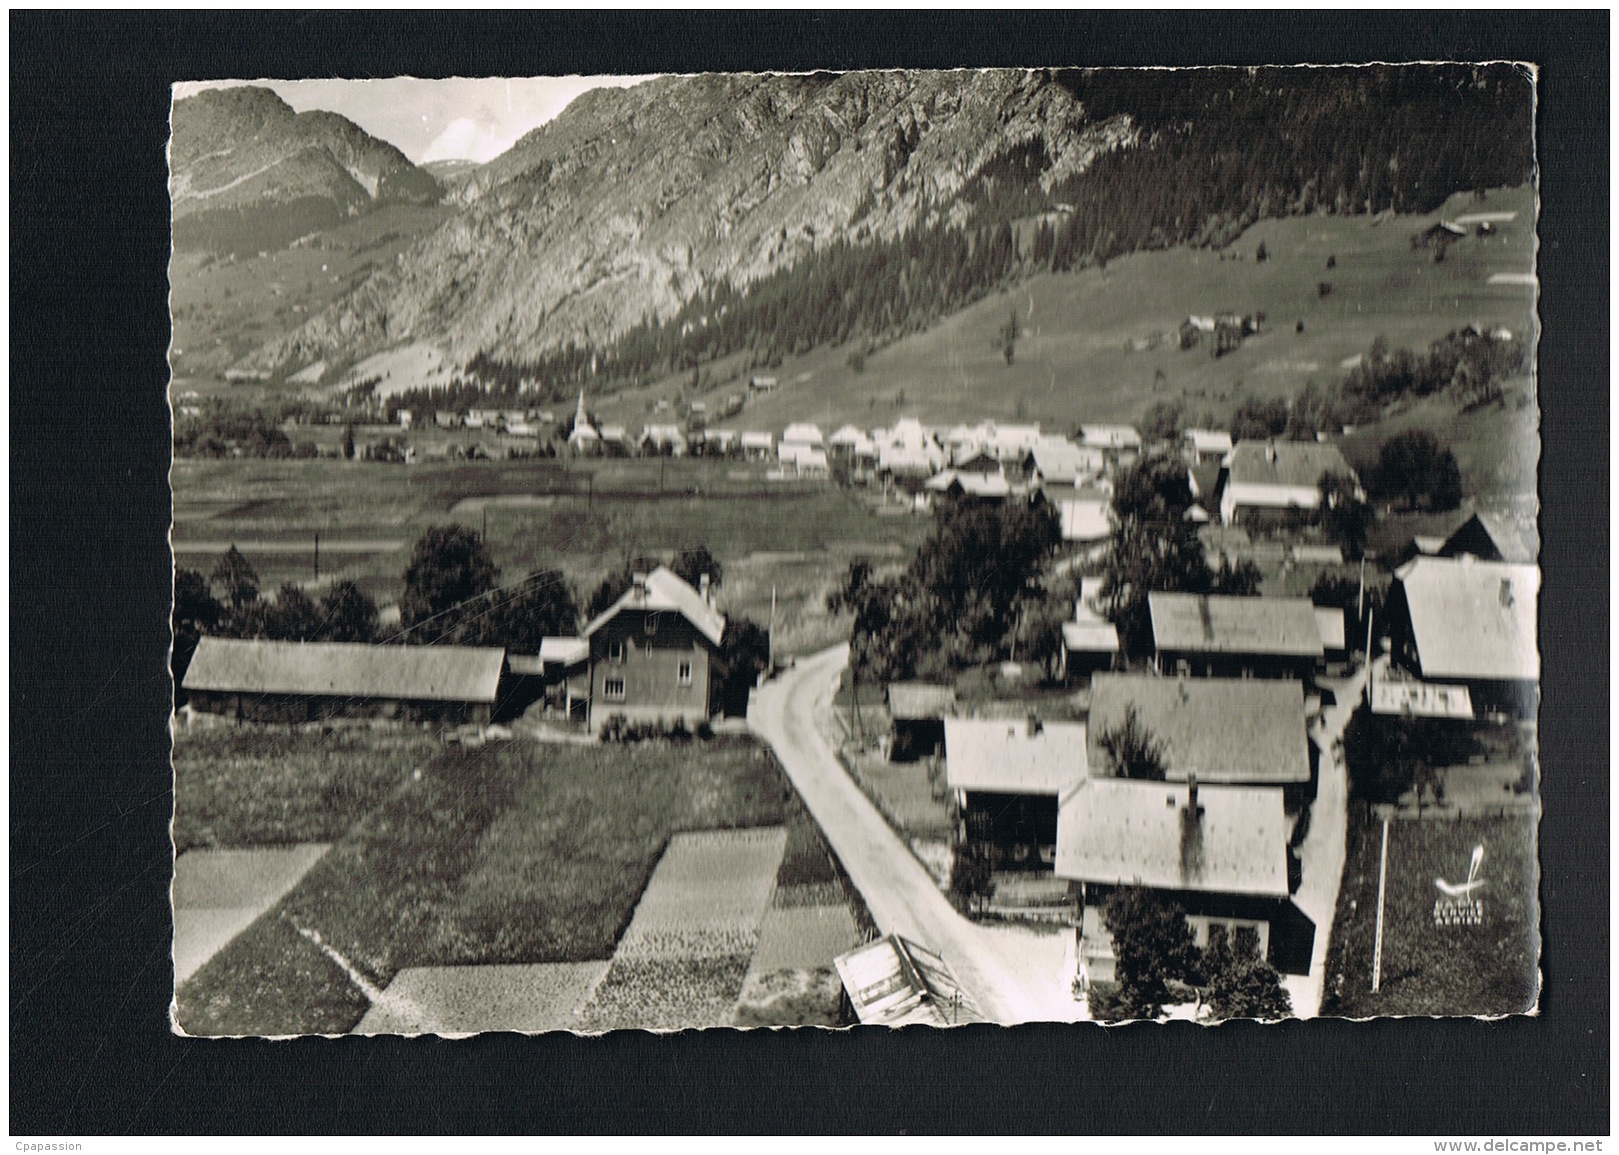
x: 634, y: 199
x: 244, y: 154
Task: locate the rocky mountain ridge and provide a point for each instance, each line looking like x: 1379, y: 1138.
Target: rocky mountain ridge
x: 634, y: 199
x: 242, y: 155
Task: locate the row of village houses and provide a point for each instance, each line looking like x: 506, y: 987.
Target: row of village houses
x: 1228, y: 698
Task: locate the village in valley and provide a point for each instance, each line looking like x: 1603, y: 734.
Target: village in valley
x: 1142, y: 634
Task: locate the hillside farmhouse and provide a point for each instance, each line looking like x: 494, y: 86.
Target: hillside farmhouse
x: 1230, y: 637
x: 652, y: 653
x: 1219, y: 852
x: 291, y: 682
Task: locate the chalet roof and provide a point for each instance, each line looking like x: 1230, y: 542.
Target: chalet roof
x: 919, y: 701
x: 757, y: 439
x: 1211, y: 624
x: 1472, y: 619
x: 846, y: 435
x: 1061, y: 460
x: 803, y: 433
x: 1513, y: 539
x: 1224, y: 730
x: 665, y: 590
x: 1085, y: 518
x: 1291, y: 464
x: 1208, y: 440
x: 347, y: 670
x: 1121, y: 831
x: 1330, y: 621
x: 1110, y: 436
x: 1001, y: 756
x: 565, y: 651
x: 1204, y: 480
x: 985, y: 485
x: 1090, y: 637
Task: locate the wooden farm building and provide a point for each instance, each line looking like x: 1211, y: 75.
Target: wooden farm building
x: 918, y: 711
x: 1470, y: 623
x: 265, y: 681
x: 652, y: 653
x: 1007, y: 775
x: 1231, y: 637
x: 1219, y: 852
x: 894, y: 982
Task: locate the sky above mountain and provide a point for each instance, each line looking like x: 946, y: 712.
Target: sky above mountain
x: 461, y: 118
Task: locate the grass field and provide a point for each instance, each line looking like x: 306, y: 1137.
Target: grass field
x: 514, y: 853
x: 1486, y: 969
x: 1075, y: 362
x: 241, y: 786
x: 582, y: 518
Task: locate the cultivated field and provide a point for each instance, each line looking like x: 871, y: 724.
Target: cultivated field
x: 584, y: 518
x: 515, y: 853
x: 1428, y: 969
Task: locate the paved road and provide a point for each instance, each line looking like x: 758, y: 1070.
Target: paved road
x: 1322, y: 854
x: 900, y: 894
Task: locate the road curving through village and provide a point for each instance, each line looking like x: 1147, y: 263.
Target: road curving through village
x: 901, y: 895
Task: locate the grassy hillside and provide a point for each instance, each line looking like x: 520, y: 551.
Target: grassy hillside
x: 1074, y: 357
x: 224, y: 307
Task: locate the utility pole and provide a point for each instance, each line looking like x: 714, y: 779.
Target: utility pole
x: 1369, y: 618
x: 1382, y: 885
x: 590, y: 492
x: 771, y: 635
x: 317, y: 557
x: 486, y: 524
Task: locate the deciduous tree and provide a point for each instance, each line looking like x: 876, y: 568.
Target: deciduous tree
x: 449, y: 566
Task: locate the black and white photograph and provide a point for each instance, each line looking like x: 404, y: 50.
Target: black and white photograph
x: 779, y: 549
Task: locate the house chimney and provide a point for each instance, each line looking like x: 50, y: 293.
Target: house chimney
x: 638, y: 586
x: 1506, y: 593
x: 702, y: 589
x: 1191, y: 834
x: 1270, y: 452
x: 1034, y: 724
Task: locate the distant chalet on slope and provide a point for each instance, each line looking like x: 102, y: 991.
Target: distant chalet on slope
x: 1214, y: 636
x: 264, y: 681
x: 652, y: 652
x: 1471, y: 623
x: 1276, y: 480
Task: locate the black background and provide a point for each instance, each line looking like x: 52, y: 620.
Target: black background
x: 90, y: 779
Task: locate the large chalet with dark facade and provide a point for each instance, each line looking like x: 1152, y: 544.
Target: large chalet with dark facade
x: 652, y: 653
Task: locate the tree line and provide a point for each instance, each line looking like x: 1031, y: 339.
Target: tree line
x: 453, y: 595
